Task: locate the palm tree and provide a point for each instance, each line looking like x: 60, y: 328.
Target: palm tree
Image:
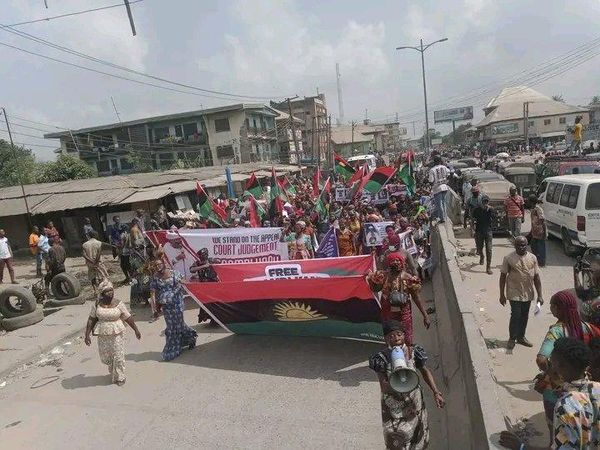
x: 558, y: 98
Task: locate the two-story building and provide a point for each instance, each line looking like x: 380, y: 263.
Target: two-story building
x: 233, y: 134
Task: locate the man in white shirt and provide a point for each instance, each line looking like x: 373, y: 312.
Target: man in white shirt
x: 438, y: 176
x: 6, y: 258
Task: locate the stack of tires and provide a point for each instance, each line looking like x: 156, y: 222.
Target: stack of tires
x: 66, y: 290
x: 18, y: 308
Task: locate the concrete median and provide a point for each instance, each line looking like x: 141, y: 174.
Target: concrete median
x: 473, y: 416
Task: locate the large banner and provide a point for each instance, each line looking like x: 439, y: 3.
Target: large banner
x: 302, y: 268
x: 328, y: 307
x: 224, y: 245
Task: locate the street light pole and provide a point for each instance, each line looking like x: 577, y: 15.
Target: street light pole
x: 422, y: 49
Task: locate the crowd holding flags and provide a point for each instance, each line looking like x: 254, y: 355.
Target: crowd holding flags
x: 282, y: 190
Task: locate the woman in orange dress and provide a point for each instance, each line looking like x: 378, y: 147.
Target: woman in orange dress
x: 346, y: 240
x: 398, y: 290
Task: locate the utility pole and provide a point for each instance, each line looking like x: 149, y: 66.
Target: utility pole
x: 293, y: 127
x: 318, y: 124
x: 329, y: 152
x: 312, y: 137
x: 339, y: 92
x: 526, y: 123
x: 14, y: 151
x: 422, y: 50
x: 454, y: 132
x: 352, y: 145
x: 115, y: 107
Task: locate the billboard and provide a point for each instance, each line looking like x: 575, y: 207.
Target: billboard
x: 448, y: 115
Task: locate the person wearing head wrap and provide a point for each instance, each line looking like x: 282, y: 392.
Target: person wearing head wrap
x: 107, y: 320
x: 564, y: 305
x: 399, y: 289
x: 299, y: 243
x: 404, y: 414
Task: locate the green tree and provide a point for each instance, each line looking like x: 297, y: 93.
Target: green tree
x: 64, y: 168
x: 595, y: 100
x: 16, y: 166
x: 460, y: 134
x: 558, y: 98
x: 141, y: 160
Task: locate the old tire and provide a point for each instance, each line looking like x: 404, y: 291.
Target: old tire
x: 568, y: 248
x: 56, y: 303
x: 25, y: 304
x: 15, y: 323
x: 64, y: 286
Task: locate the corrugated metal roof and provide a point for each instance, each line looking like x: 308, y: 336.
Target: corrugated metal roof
x: 76, y: 200
x: 120, y: 189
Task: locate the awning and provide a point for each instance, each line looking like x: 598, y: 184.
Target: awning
x: 553, y: 134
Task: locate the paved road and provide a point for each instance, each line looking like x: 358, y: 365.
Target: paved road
x: 514, y: 370
x: 230, y: 392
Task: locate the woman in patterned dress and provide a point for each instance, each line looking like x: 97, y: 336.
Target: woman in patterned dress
x: 107, y: 319
x: 398, y: 288
x: 167, y: 291
x: 299, y: 244
x: 404, y: 415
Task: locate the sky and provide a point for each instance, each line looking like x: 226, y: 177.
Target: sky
x: 279, y: 48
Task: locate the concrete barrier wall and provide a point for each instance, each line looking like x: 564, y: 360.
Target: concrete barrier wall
x: 474, y: 419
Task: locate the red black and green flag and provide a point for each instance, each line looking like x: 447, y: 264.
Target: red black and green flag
x: 257, y: 214
x: 320, y: 206
x: 276, y: 196
x: 342, y: 167
x: 377, y: 179
x: 326, y: 307
x: 359, y: 174
x: 288, y: 187
x: 316, y: 182
x: 253, y: 186
x: 208, y: 209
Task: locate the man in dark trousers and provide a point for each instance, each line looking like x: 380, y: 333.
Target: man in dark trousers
x: 520, y: 275
x: 56, y: 261
x: 483, y: 217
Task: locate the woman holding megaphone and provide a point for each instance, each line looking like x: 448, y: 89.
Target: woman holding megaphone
x: 403, y: 411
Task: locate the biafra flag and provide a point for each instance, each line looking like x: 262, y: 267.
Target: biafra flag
x: 207, y: 208
x: 275, y: 198
x: 325, y: 307
x: 377, y: 179
x: 253, y: 186
x: 288, y: 187
x: 342, y: 167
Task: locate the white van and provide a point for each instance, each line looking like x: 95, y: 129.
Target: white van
x: 358, y: 161
x: 571, y: 204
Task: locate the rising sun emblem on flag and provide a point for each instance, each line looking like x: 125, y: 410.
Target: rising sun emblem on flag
x: 296, y: 312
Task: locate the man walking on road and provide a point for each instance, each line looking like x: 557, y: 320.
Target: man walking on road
x: 473, y: 202
x: 519, y: 274
x: 483, y: 217
x: 6, y: 258
x: 438, y: 176
x: 515, y: 212
x: 539, y: 233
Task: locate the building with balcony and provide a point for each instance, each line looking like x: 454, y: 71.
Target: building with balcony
x: 233, y: 134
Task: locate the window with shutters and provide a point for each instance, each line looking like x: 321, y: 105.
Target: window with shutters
x: 222, y: 125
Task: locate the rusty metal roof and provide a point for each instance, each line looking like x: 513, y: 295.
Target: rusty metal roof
x: 122, y: 189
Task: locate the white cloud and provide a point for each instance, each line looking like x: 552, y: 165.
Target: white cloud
x: 273, y: 47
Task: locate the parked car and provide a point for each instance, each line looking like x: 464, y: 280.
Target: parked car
x: 358, y: 161
x: 556, y: 166
x: 470, y: 162
x: 497, y: 191
x: 571, y: 206
x: 487, y: 175
x: 524, y: 178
